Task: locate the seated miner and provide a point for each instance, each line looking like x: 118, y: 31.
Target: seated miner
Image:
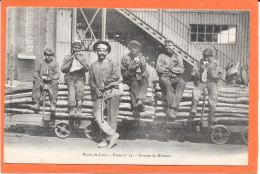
x: 104, y: 82
x: 135, y: 74
x: 46, y: 77
x: 206, y: 75
x: 75, y: 67
x: 170, y: 69
x: 237, y: 75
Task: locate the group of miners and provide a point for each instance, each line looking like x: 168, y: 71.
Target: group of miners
x: 104, y: 80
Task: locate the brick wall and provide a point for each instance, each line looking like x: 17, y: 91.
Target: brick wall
x: 19, y: 39
x: 42, y: 35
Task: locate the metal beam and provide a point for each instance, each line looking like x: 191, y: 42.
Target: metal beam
x: 89, y: 23
x: 104, y: 18
x: 74, y: 24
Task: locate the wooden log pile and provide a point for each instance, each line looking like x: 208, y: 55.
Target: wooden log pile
x: 232, y: 105
x: 18, y: 100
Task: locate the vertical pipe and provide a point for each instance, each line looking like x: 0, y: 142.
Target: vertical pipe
x: 74, y: 23
x: 104, y: 18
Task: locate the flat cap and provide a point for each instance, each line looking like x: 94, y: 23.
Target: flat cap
x: 208, y: 52
x: 76, y: 43
x: 48, y: 52
x: 132, y: 43
x: 169, y: 41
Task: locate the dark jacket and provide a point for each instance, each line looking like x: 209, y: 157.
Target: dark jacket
x: 104, y: 76
x: 43, y: 66
x: 213, y: 70
x: 167, y: 65
x: 129, y: 67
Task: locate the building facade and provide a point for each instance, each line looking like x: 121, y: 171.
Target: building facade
x: 31, y: 30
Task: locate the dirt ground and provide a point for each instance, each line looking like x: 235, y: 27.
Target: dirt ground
x: 136, y: 145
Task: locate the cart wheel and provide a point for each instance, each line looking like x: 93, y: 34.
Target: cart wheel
x: 220, y: 134
x: 244, y: 135
x: 89, y: 134
x: 62, y: 130
x: 92, y: 131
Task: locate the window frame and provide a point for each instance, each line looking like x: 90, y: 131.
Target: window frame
x: 212, y: 33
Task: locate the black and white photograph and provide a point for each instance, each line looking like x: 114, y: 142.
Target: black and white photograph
x: 126, y: 86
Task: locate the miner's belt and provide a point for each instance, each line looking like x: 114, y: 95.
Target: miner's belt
x: 76, y: 74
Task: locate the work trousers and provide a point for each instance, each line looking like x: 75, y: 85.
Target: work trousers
x: 109, y: 126
x: 138, y: 89
x: 213, y: 94
x: 75, y: 88
x: 52, y: 91
x: 172, y: 89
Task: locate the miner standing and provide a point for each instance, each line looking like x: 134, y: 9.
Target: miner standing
x: 104, y: 82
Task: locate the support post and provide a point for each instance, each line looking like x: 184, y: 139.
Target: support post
x: 160, y: 21
x: 104, y: 18
x: 74, y: 24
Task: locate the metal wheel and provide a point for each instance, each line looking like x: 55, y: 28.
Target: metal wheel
x: 244, y: 135
x: 90, y: 132
x: 220, y: 134
x: 62, y: 130
x: 19, y: 132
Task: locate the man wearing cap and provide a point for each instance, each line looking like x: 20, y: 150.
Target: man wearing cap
x: 170, y: 69
x: 104, y: 82
x: 75, y: 66
x: 135, y: 74
x: 46, y: 76
x: 206, y: 75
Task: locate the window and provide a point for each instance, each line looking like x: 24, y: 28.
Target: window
x: 213, y: 33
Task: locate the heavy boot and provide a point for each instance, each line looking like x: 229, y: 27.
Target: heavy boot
x: 71, y: 111
x: 36, y: 107
x: 140, y: 106
x: 52, y: 119
x: 193, y: 112
x: 103, y: 143
x: 170, y: 114
x: 113, y: 140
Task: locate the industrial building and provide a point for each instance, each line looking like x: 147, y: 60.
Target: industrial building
x: 30, y: 30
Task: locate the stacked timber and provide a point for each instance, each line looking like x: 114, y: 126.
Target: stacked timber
x: 232, y: 105
x: 18, y: 100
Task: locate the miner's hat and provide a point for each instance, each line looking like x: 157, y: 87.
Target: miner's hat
x: 104, y: 43
x: 76, y: 43
x: 208, y: 52
x: 48, y: 52
x: 132, y: 43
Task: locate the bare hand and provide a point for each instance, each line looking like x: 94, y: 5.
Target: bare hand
x: 71, y: 58
x: 99, y: 94
x: 101, y: 86
x: 137, y: 59
x: 46, y: 78
x: 76, y: 56
x: 194, y: 72
x: 204, y: 67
